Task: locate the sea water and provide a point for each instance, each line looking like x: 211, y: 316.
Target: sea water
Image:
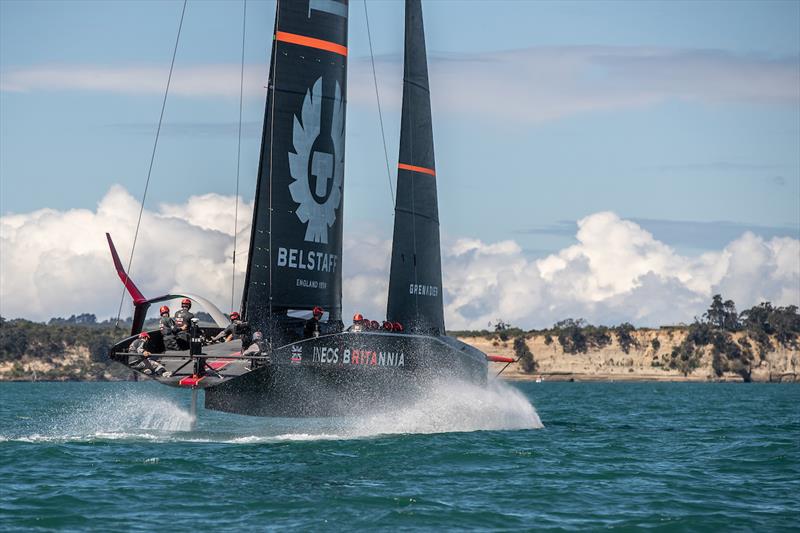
x: 669, y: 456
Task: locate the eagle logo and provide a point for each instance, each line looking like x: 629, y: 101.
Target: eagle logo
x: 322, y: 165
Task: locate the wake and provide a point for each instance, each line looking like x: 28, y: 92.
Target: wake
x: 137, y: 415
x: 126, y: 415
x: 456, y: 406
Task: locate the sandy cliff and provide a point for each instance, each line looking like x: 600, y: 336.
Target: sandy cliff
x: 642, y: 363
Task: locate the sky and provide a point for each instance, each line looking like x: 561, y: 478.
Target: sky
x: 607, y: 160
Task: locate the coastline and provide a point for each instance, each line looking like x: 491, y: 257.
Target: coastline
x: 646, y: 359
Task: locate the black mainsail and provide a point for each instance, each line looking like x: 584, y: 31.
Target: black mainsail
x: 415, y: 281
x: 296, y: 236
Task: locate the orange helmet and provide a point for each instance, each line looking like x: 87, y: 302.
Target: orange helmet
x: 144, y: 335
x: 235, y: 315
x: 317, y: 311
x: 186, y: 302
x: 357, y: 317
x: 398, y: 326
x: 388, y: 326
x: 163, y: 309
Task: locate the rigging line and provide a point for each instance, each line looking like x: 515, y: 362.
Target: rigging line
x: 274, y: 80
x: 378, y: 99
x: 238, y: 156
x: 152, y: 159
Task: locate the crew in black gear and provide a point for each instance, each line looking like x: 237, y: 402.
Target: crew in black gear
x: 168, y: 329
x: 151, y: 367
x: 312, y: 327
x: 183, y: 320
x: 141, y: 345
x: 258, y: 347
x: 183, y: 317
x: 183, y: 337
x: 233, y: 331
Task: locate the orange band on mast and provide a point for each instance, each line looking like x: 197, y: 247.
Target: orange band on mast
x: 319, y: 44
x: 413, y: 168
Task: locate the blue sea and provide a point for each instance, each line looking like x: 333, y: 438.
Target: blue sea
x: 586, y: 456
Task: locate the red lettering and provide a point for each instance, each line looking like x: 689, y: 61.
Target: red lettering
x: 374, y: 359
x: 354, y: 359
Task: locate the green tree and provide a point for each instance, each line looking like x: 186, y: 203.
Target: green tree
x: 716, y: 312
x: 722, y: 314
x: 525, y: 356
x: 570, y: 335
x: 656, y: 344
x: 624, y: 337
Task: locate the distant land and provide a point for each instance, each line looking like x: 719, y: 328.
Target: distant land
x: 759, y: 344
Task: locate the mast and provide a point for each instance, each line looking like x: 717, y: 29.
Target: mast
x: 294, y: 260
x: 415, y: 280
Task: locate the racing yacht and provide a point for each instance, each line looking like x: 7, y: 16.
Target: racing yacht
x: 295, y: 251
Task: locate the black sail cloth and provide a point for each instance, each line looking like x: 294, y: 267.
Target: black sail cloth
x: 296, y: 236
x: 415, y: 282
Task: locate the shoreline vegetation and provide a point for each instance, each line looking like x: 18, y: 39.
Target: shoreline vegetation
x: 760, y: 344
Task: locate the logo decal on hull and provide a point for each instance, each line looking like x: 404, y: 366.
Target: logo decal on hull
x: 356, y: 356
x: 324, y: 169
x: 297, y: 354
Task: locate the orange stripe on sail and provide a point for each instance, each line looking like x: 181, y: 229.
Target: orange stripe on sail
x: 319, y: 44
x: 413, y: 168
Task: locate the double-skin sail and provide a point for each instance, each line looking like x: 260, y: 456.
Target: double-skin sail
x: 415, y: 281
x: 294, y: 261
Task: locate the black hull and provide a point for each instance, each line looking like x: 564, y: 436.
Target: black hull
x: 347, y: 373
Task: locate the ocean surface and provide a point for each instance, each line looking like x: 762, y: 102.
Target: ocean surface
x: 662, y: 456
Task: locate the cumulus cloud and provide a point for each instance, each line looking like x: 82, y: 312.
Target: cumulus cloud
x: 522, y: 85
x: 56, y: 263
x: 615, y: 272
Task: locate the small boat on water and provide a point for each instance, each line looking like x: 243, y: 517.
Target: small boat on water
x: 295, y: 252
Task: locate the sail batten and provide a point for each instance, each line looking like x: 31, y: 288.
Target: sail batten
x: 296, y: 235
x: 415, y: 280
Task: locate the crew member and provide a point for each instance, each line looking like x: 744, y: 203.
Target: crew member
x: 358, y: 322
x: 312, y: 327
x: 183, y: 316
x: 141, y: 345
x: 168, y: 329
x: 233, y: 331
x: 148, y: 366
x: 257, y: 347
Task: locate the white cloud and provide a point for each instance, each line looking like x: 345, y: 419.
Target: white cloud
x: 522, y: 85
x: 616, y: 272
x: 56, y: 263
x: 199, y: 80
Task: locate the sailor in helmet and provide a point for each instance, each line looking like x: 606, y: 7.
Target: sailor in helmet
x: 358, y: 322
x: 151, y: 367
x: 183, y: 320
x: 183, y: 317
x: 168, y: 329
x: 312, y: 327
x: 258, y: 347
x: 233, y: 331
